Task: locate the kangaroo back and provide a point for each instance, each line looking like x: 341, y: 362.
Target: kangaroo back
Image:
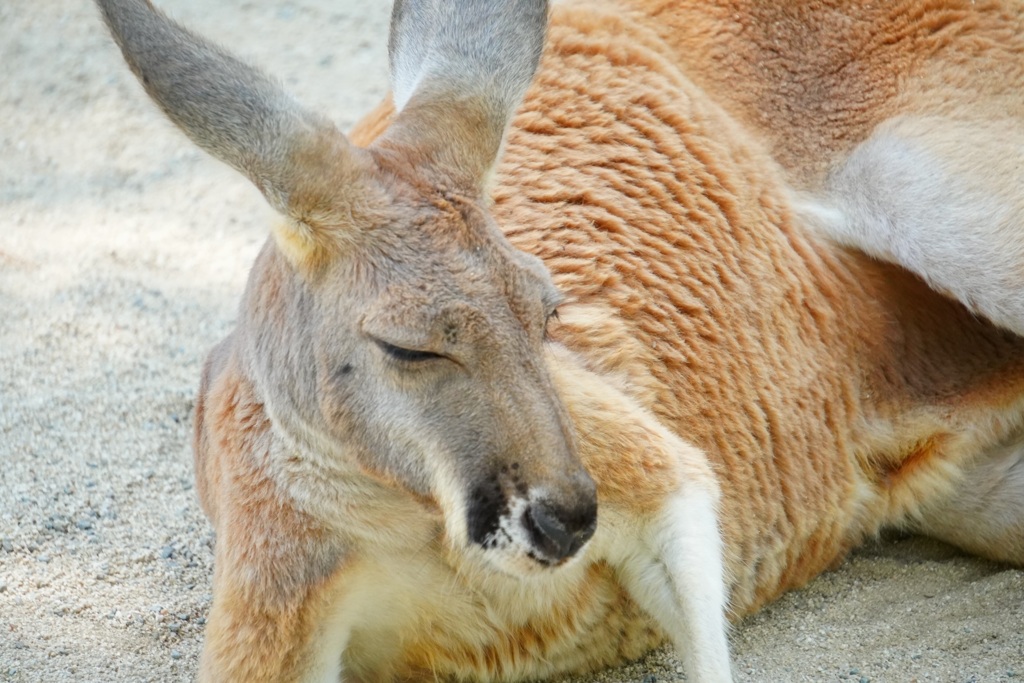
x: 902, y: 123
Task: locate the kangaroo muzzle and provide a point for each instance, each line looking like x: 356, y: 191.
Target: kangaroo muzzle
x: 546, y: 524
x: 557, y: 533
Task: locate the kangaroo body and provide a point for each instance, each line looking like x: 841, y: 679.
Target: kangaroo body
x: 748, y: 396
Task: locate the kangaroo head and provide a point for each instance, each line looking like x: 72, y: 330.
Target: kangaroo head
x: 389, y: 325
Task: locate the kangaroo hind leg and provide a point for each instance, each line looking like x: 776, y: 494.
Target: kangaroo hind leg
x: 944, y: 199
x: 985, y: 514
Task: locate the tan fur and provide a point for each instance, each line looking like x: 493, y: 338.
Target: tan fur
x: 813, y: 78
x: 711, y: 348
x: 750, y: 317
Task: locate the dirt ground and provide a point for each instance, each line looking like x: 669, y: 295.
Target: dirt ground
x: 123, y: 252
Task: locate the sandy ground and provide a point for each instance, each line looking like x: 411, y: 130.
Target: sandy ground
x: 123, y: 252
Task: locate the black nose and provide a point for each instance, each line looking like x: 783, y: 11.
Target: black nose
x: 558, y: 533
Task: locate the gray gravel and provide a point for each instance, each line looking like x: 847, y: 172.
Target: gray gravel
x: 123, y: 252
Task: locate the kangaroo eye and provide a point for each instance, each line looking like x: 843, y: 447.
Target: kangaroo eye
x: 553, y: 315
x: 406, y: 355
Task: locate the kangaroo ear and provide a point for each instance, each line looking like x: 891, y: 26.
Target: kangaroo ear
x: 459, y: 70
x: 301, y: 163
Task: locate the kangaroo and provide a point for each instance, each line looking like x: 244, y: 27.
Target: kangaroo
x: 576, y: 344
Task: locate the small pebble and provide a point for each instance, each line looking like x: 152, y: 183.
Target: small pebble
x: 175, y: 654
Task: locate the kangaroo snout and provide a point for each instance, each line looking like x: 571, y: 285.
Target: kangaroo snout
x: 558, y: 532
x: 545, y: 524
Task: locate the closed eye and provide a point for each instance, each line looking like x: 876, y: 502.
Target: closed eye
x: 406, y: 355
x: 553, y: 315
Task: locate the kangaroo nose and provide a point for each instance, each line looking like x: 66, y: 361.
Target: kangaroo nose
x: 558, y: 533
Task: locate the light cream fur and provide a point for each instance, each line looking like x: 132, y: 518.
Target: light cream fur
x: 941, y: 197
x: 748, y: 399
